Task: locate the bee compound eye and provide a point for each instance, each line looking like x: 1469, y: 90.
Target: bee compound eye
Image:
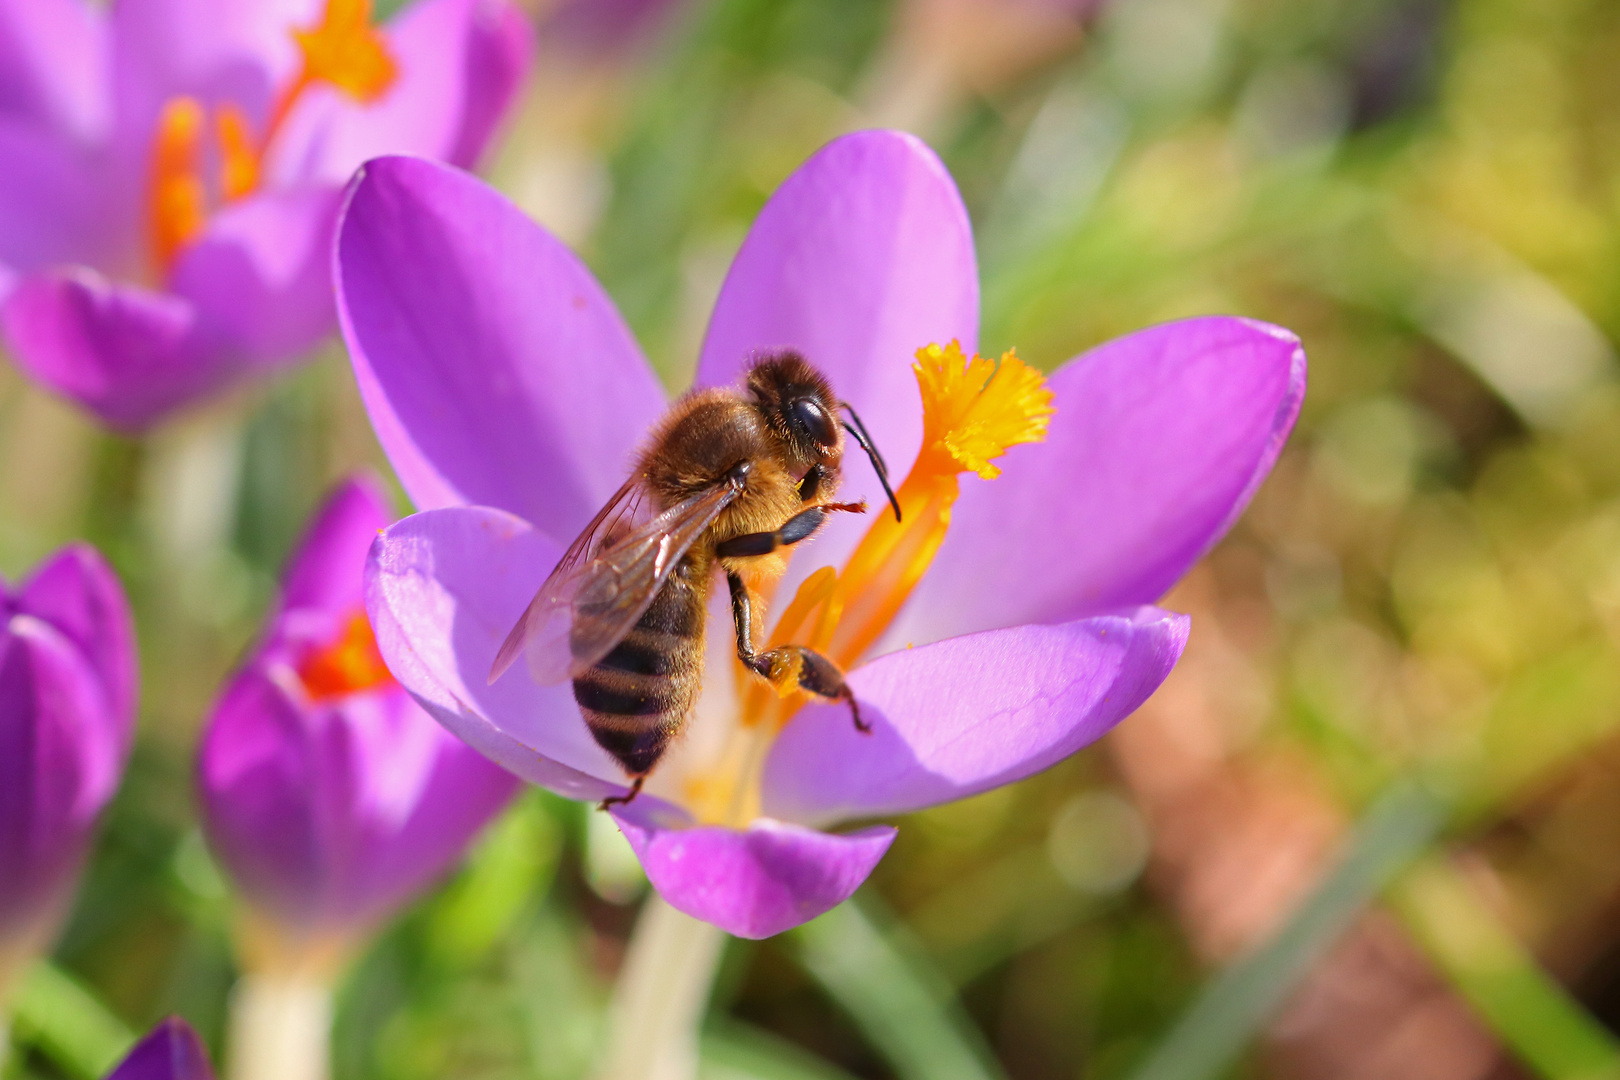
x: 811, y: 419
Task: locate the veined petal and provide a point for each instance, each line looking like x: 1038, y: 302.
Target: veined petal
x: 754, y: 882
x: 326, y: 569
x: 863, y: 256
x: 53, y: 67
x: 260, y: 274
x: 77, y: 593
x: 1159, y: 441
x: 60, y: 756
x: 443, y: 588
x: 460, y: 65
x: 127, y: 354
x: 171, y: 1052
x: 495, y: 368
x: 965, y: 715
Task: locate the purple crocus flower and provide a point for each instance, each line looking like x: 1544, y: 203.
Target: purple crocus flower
x: 171, y: 1051
x: 67, y: 715
x: 509, y: 395
x: 327, y: 794
x: 170, y: 171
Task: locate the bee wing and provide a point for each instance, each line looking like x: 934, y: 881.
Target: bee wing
x: 587, y: 606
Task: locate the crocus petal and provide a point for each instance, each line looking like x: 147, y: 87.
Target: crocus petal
x: 171, y: 1052
x: 333, y: 815
x: 54, y: 66
x: 77, y: 593
x: 326, y: 571
x: 240, y: 51
x: 51, y: 207
x: 495, y: 368
x: 1159, y: 441
x: 60, y: 754
x: 460, y: 64
x: 442, y: 589
x: 962, y: 716
x: 863, y: 256
x: 125, y: 353
x: 753, y: 882
x: 260, y: 275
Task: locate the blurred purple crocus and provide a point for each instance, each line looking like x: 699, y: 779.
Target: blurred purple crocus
x: 170, y: 171
x: 67, y: 715
x: 509, y: 395
x: 329, y: 796
x: 171, y: 1051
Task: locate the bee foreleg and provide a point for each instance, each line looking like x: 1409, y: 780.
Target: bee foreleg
x: 800, y: 526
x: 810, y: 671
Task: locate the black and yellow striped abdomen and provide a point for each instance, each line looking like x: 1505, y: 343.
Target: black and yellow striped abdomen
x: 638, y: 697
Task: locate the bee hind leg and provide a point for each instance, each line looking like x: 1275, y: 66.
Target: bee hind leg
x: 812, y: 672
x: 621, y: 800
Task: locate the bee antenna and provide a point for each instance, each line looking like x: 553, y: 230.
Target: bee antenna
x: 879, y: 466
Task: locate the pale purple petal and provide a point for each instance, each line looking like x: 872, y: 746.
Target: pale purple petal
x: 1159, y: 441
x: 241, y: 51
x: 334, y: 814
x: 863, y: 256
x: 328, y: 567
x: 125, y: 353
x: 460, y: 63
x: 495, y: 368
x: 965, y: 715
x: 77, y: 593
x: 60, y: 756
x: 754, y: 882
x: 52, y: 206
x: 171, y: 1052
x: 592, y: 28
x: 443, y: 588
x: 260, y: 275
x: 54, y: 67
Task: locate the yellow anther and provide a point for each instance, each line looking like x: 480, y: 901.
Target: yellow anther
x: 347, y: 51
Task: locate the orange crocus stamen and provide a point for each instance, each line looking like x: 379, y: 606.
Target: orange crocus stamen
x: 238, y: 154
x: 177, y: 201
x: 348, y: 665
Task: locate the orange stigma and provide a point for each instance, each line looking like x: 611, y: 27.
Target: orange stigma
x: 343, y: 50
x: 348, y: 665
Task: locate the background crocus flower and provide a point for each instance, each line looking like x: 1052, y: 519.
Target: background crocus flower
x: 328, y: 795
x: 509, y: 395
x: 170, y: 170
x: 171, y: 1051
x: 67, y: 713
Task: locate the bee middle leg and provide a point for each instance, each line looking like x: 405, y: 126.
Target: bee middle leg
x: 620, y: 800
x: 815, y: 673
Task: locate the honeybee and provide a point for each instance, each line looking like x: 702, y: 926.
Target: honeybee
x: 726, y: 479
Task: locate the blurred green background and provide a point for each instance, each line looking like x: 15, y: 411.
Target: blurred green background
x: 1371, y: 825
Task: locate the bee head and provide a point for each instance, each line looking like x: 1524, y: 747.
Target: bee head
x: 799, y: 405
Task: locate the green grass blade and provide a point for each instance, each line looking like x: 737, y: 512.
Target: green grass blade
x: 1530, y: 1012
x: 904, y: 1007
x: 737, y: 1051
x: 1234, y: 1005
x: 64, y: 1021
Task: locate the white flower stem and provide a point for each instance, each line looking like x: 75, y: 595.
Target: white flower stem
x: 661, y: 997
x: 280, y: 1028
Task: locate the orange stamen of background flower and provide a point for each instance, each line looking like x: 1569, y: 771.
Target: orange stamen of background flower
x: 348, y: 665
x: 179, y: 201
x: 343, y: 50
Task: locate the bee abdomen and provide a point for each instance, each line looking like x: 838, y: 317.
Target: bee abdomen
x: 637, y: 697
